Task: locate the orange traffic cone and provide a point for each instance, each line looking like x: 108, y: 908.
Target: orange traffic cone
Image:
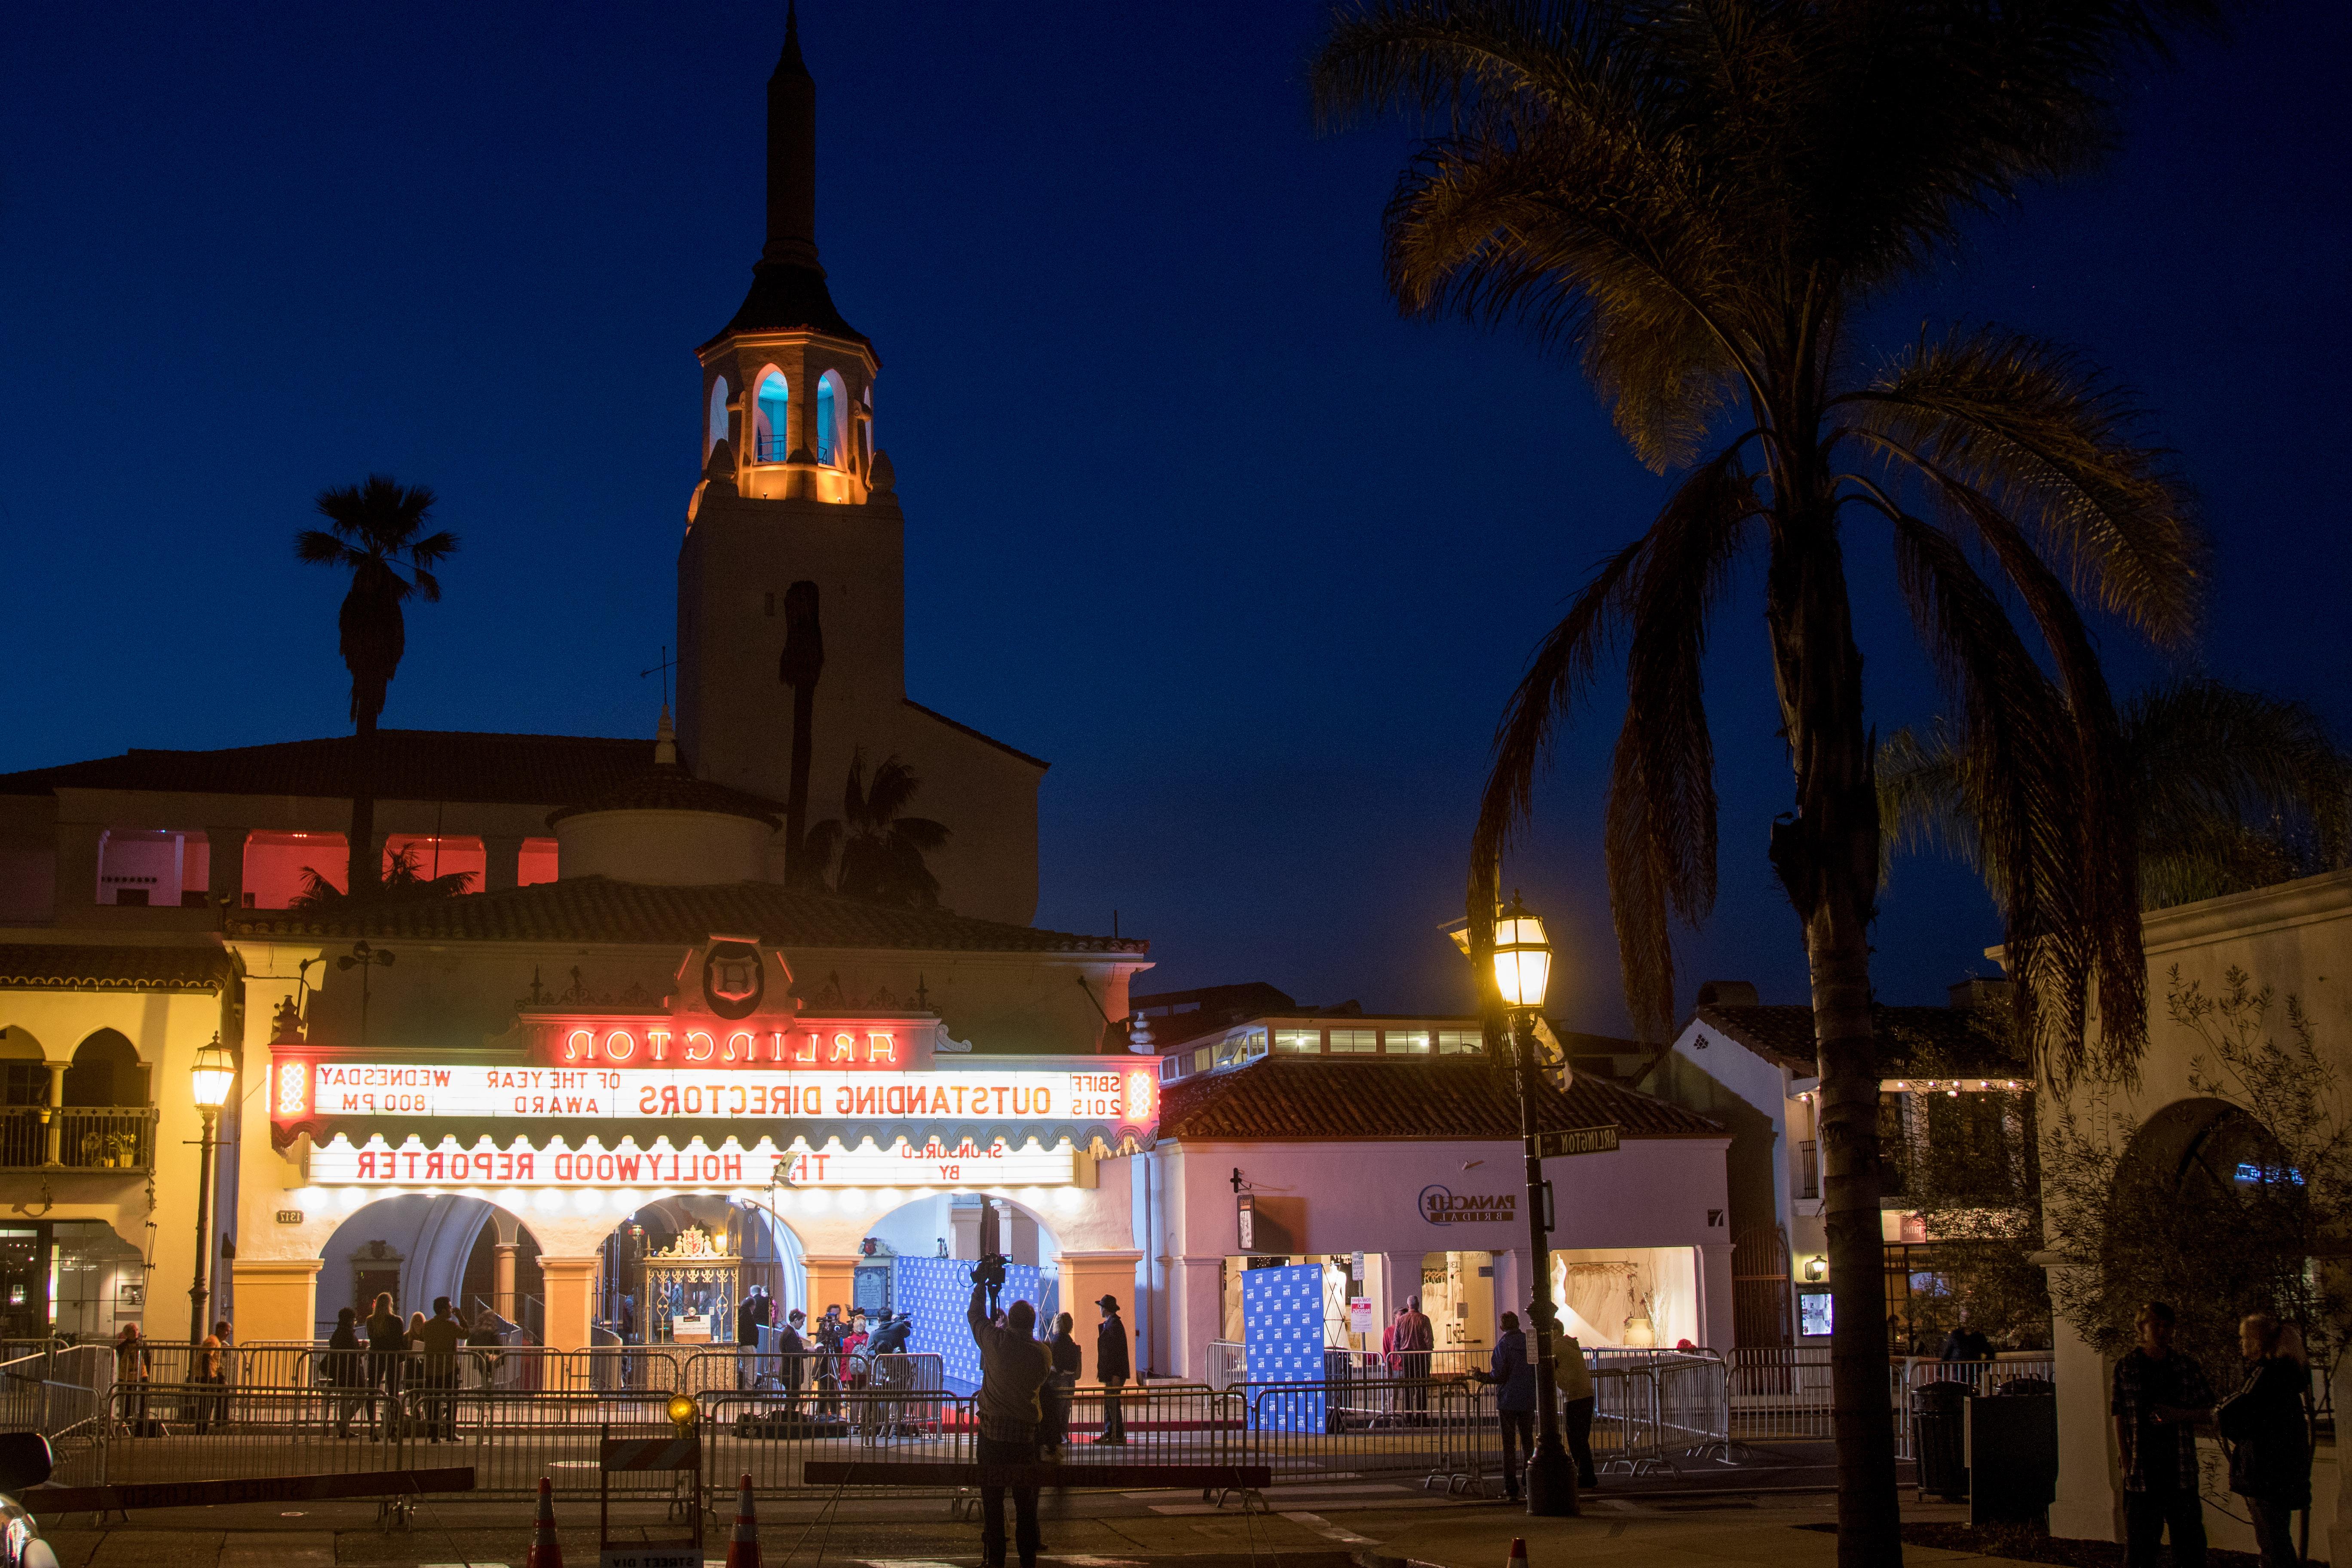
x: 743, y: 1548
x: 546, y: 1552
x: 1519, y: 1552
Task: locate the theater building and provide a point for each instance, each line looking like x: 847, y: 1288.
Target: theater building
x: 631, y: 1076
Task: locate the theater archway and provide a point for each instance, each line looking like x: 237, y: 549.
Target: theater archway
x: 415, y: 1247
x: 698, y: 1257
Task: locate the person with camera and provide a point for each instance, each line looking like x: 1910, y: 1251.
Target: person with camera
x: 1013, y: 1368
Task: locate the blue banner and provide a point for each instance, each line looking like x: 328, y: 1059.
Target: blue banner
x: 1282, y: 1336
x: 934, y: 1291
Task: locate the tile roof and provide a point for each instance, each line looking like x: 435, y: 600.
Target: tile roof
x: 665, y: 786
x: 1284, y: 1098
x: 62, y: 966
x: 597, y: 909
x: 411, y: 765
x: 1949, y: 1042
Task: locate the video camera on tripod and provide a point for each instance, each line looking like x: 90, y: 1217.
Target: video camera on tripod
x: 989, y: 1275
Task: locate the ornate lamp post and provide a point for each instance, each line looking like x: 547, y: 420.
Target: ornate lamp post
x: 1522, y: 961
x: 209, y: 1084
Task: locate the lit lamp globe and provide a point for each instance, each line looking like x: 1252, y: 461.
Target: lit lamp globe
x: 213, y: 1072
x: 1522, y: 957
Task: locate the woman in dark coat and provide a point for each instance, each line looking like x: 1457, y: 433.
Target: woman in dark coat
x: 2270, y: 1439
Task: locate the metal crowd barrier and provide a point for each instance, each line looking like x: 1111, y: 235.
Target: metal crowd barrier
x: 1785, y: 1393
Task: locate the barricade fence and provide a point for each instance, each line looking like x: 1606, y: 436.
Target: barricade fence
x: 529, y: 1415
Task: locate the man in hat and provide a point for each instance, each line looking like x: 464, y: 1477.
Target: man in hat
x: 1112, y: 1369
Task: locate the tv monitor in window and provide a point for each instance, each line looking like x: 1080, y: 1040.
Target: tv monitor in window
x: 1813, y: 1312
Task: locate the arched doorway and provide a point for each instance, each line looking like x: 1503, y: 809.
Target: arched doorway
x: 417, y: 1247
x: 917, y: 1258
x: 699, y: 1257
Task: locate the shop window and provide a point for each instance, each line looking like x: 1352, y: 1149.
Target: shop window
x: 1298, y: 1042
x: 1406, y: 1042
x: 1355, y: 1042
x: 772, y: 418
x: 1453, y: 1042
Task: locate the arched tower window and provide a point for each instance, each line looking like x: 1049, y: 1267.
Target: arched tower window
x: 718, y: 415
x: 829, y: 401
x: 771, y: 423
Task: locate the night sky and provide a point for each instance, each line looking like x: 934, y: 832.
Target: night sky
x: 1191, y: 511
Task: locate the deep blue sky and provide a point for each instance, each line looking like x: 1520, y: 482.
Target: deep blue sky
x: 1191, y: 511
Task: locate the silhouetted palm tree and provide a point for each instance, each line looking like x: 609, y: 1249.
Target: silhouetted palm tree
x: 1698, y: 202
x: 376, y: 531
x: 799, y: 667
x: 2236, y: 790
x: 404, y: 877
x: 880, y: 852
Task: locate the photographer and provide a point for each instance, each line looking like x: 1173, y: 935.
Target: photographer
x: 1013, y: 1368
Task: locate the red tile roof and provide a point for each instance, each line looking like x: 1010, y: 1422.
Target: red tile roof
x: 1278, y: 1098
x: 1941, y: 1042
x: 595, y: 909
x: 411, y: 765
x: 64, y: 966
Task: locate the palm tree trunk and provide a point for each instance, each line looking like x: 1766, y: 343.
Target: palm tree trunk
x: 796, y: 791
x: 1827, y: 858
x: 361, y: 870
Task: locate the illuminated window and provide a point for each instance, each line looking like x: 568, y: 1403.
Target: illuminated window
x: 1355, y: 1042
x: 1453, y: 1042
x: 770, y: 419
x: 1407, y: 1042
x: 1299, y: 1042
x: 718, y: 415
x: 828, y: 419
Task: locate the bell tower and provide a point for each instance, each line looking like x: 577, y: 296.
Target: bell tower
x: 793, y: 493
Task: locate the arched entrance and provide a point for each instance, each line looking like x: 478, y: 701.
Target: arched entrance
x: 682, y: 1270
x: 916, y: 1261
x: 415, y: 1247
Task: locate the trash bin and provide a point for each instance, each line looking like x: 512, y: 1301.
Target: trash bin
x: 2013, y: 1453
x: 1939, y: 1439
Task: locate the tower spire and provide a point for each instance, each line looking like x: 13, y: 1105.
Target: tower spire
x: 792, y: 154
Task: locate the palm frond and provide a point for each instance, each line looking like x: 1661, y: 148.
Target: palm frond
x: 2046, y: 439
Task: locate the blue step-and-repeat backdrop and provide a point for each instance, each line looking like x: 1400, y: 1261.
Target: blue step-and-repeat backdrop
x: 1282, y: 1332
x: 934, y: 1291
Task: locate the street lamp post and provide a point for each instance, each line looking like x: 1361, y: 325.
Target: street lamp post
x: 1522, y: 961
x: 210, y: 1081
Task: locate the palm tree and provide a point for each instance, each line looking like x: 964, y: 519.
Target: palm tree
x: 404, y: 877
x: 798, y: 667
x: 373, y: 532
x: 880, y: 852
x: 2236, y: 790
x: 1699, y: 201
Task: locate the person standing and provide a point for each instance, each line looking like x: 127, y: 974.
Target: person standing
x: 1416, y: 1338
x: 1513, y: 1379
x: 489, y: 1348
x: 748, y: 1317
x: 2160, y: 1398
x: 439, y: 1340
x: 1572, y: 1380
x: 1013, y: 1368
x: 794, y: 1352
x: 1966, y: 1343
x: 212, y: 1371
x: 2269, y: 1435
x: 1112, y: 1369
x: 346, y: 1372
x: 133, y: 1366
x: 1062, y: 1351
x: 387, y: 1345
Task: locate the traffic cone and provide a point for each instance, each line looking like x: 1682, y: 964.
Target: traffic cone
x: 546, y: 1552
x: 1519, y: 1552
x: 743, y: 1548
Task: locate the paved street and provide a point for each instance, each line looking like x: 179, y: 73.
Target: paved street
x: 1334, y: 1524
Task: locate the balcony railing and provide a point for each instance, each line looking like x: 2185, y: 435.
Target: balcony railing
x: 90, y: 1137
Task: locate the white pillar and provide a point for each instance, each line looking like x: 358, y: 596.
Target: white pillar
x: 2086, y: 1504
x: 501, y: 863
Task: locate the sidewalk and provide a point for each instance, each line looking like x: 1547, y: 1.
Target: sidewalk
x: 1744, y: 1536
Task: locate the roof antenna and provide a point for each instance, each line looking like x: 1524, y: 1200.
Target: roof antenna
x: 665, y: 666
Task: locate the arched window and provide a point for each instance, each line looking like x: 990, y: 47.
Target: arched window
x: 718, y: 415
x: 830, y: 399
x: 106, y: 1071
x: 770, y: 422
